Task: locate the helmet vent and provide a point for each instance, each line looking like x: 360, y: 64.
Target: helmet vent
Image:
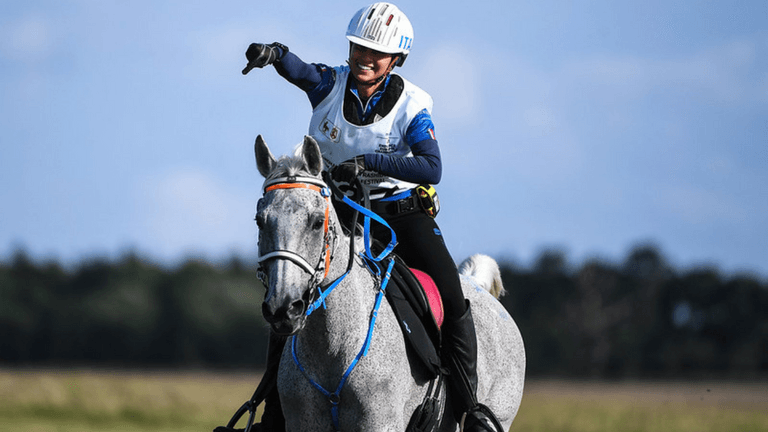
x: 390, y: 20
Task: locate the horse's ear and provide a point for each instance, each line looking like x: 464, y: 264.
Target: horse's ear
x: 312, y: 156
x: 265, y: 162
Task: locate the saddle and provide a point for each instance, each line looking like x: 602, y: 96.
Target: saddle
x: 418, y: 307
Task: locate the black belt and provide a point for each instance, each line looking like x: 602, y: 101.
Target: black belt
x: 408, y: 204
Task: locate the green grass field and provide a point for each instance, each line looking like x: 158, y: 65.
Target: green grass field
x: 643, y: 406
x: 85, y: 401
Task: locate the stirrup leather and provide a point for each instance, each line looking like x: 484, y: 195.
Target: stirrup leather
x: 485, y: 414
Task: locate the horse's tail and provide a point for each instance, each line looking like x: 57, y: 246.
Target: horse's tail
x: 485, y: 271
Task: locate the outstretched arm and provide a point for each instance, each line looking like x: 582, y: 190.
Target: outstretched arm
x: 305, y: 76
x: 314, y: 79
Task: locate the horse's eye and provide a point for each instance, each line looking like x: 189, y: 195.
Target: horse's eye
x: 318, y: 223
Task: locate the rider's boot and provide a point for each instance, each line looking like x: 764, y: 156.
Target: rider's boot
x: 272, y: 419
x: 460, y: 356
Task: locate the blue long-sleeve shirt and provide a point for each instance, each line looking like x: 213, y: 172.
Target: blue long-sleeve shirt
x: 317, y: 80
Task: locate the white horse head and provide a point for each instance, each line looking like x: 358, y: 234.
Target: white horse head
x: 297, y: 228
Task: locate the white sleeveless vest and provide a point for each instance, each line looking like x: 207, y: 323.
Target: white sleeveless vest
x: 340, y: 140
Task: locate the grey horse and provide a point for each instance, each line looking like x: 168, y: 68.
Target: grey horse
x: 346, y: 366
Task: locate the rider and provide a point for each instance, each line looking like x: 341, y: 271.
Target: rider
x: 373, y: 124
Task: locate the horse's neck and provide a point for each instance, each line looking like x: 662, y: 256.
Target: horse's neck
x: 341, y: 328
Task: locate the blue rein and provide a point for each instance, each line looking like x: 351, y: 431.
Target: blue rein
x: 335, y: 397
x: 368, y: 215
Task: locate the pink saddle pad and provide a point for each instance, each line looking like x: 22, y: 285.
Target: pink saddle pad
x: 433, y: 295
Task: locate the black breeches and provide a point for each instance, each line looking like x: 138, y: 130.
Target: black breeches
x: 421, y: 245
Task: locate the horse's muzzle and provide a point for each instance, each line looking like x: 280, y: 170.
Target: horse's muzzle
x: 285, y: 320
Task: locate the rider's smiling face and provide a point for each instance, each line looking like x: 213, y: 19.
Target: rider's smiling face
x: 368, y: 65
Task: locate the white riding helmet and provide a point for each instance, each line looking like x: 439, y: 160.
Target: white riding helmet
x: 382, y: 27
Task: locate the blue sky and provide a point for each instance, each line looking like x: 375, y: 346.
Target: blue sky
x: 585, y: 126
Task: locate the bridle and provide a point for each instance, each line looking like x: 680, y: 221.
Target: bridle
x: 320, y: 271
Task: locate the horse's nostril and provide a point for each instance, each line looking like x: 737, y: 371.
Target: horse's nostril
x: 296, y: 309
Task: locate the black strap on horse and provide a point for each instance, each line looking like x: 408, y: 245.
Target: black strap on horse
x: 268, y: 382
x: 358, y: 195
x: 426, y: 416
x: 487, y: 413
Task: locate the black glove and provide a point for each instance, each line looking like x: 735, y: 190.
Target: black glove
x: 260, y: 55
x: 347, y: 171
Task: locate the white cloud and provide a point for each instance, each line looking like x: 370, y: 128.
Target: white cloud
x: 218, y: 45
x: 454, y: 82
x: 719, y: 167
x: 540, y: 118
x: 569, y: 119
x: 762, y: 89
x: 27, y: 39
x: 222, y: 49
x: 219, y: 52
x: 188, y: 210
x: 720, y: 73
x: 699, y: 206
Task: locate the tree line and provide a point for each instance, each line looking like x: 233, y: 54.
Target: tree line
x: 639, y: 318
